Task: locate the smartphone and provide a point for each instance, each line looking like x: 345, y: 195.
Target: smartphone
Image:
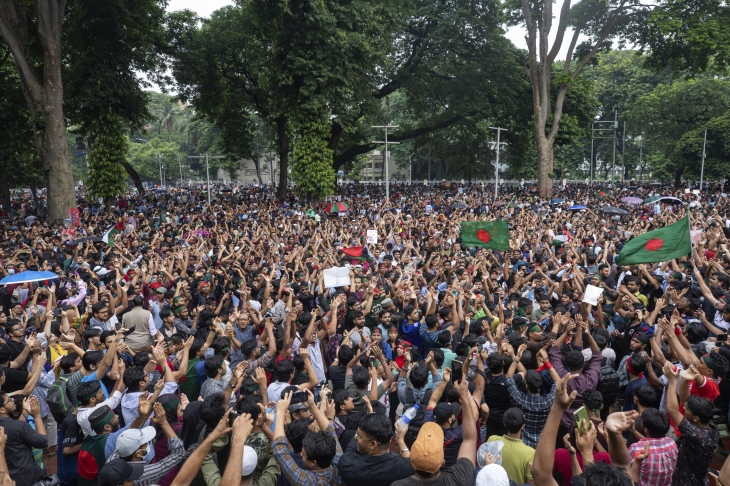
x: 232, y: 417
x: 580, y: 415
x: 299, y: 397
x: 129, y: 331
x: 722, y: 338
x: 456, y: 371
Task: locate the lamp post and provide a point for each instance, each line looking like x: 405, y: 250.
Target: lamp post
x: 496, y: 165
x: 385, y: 159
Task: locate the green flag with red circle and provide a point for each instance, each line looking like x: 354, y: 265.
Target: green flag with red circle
x: 486, y: 234
x: 660, y: 245
x: 603, y: 194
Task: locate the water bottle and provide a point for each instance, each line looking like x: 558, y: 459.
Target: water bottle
x: 407, y: 417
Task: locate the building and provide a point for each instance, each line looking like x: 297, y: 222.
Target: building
x: 246, y: 174
x: 373, y: 170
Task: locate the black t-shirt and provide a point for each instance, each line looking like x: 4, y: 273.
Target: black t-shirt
x: 15, y: 348
x: 460, y: 474
x: 337, y: 375
x: 15, y: 380
x: 497, y: 396
x: 365, y: 470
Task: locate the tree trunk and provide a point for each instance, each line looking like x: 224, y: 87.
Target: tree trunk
x: 44, y: 94
x: 678, y: 177
x: 257, y: 164
x: 5, y: 190
x: 283, y: 157
x: 135, y: 177
x: 544, y: 166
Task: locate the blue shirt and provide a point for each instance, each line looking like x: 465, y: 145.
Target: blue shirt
x: 92, y: 377
x: 412, y: 334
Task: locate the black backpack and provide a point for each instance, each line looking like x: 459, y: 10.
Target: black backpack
x: 57, y: 398
x: 608, y: 382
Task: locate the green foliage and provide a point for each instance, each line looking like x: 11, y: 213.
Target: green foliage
x: 312, y: 165
x: 106, y: 177
x: 146, y: 159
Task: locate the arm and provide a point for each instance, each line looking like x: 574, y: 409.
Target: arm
x: 242, y: 428
x: 468, y: 448
x: 672, y: 403
x: 191, y: 465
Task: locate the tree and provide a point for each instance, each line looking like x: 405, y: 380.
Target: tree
x: 599, y: 21
x: 312, y: 165
x: 39, y: 71
x: 106, y: 177
x: 670, y: 112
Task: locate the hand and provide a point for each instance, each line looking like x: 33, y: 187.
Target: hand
x: 240, y: 370
x: 400, y: 432
x: 282, y: 406
x: 188, y: 343
x: 562, y: 399
x: 671, y: 372
x: 446, y: 374
x: 222, y: 428
x: 643, y: 454
x: 159, y: 417
x: 521, y: 350
x: 542, y: 357
x: 33, y: 407
x: 145, y: 406
x: 690, y: 373
x: 620, y: 422
x: 567, y: 444
x: 159, y: 385
x: 490, y: 459
x: 242, y: 426
x: 585, y: 440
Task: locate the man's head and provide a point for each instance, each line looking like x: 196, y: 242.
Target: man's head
x: 575, y: 361
x: 134, y: 444
x: 215, y: 366
x: 374, y: 434
x: 533, y: 381
x: 318, y: 450
x: 514, y: 420
x: 593, y: 400
x: 103, y: 420
x: 135, y: 379
x: 7, y: 404
x: 284, y: 371
x: 343, y: 401
x: 655, y: 423
x: 639, y: 342
x: 92, y: 359
x: 427, y: 451
x: 636, y: 365
x: 698, y: 410
x: 713, y: 365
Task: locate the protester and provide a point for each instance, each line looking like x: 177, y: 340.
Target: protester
x: 260, y: 369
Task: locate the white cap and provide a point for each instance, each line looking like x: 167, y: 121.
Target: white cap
x: 131, y: 440
x: 250, y: 459
x: 492, y: 475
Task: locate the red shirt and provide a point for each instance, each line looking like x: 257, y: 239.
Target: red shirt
x: 709, y: 390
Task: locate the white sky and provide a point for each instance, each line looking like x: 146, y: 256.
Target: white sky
x: 202, y: 7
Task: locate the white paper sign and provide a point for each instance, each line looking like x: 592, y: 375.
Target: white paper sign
x: 336, y: 277
x: 592, y: 294
x: 372, y: 237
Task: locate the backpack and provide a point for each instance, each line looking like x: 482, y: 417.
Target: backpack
x: 608, y: 382
x: 57, y: 398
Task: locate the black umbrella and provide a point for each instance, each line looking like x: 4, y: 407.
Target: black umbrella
x: 613, y: 210
x: 458, y: 206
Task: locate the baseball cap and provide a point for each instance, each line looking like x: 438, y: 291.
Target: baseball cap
x: 427, y: 452
x: 132, y: 439
x: 250, y: 459
x: 118, y: 471
x: 295, y: 407
x: 161, y: 289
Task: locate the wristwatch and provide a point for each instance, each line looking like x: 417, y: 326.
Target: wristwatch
x: 232, y: 385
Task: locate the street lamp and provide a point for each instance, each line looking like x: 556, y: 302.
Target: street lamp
x: 159, y: 157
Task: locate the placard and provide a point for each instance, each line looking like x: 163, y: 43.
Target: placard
x: 336, y: 277
x: 372, y: 237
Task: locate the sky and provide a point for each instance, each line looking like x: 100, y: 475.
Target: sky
x: 205, y: 7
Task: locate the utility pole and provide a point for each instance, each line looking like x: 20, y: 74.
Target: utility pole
x: 593, y: 136
x: 179, y: 165
x: 591, y: 166
x: 613, y: 164
x: 623, y: 151
x: 159, y: 159
x: 496, y: 165
x: 385, y: 159
x: 207, y: 167
x: 702, y: 170
x: 641, y: 163
x: 410, y: 170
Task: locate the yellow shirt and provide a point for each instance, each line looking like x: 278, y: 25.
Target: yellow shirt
x: 516, y: 458
x: 56, y: 352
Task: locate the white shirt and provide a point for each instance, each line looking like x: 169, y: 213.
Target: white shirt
x: 130, y: 402
x: 82, y: 416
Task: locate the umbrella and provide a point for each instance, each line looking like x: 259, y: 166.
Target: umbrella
x: 27, y: 276
x: 577, y: 207
x: 651, y: 199
x: 458, y: 206
x: 336, y: 207
x: 93, y: 239
x: 671, y: 200
x: 614, y: 211
x: 557, y: 200
x: 632, y: 200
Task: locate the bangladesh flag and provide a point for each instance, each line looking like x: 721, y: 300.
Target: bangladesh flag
x: 660, y: 245
x: 487, y: 234
x: 602, y: 194
x: 109, y: 235
x: 358, y: 252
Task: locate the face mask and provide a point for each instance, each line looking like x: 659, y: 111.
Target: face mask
x: 11, y: 271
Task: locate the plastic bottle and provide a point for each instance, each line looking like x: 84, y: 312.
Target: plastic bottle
x: 408, y: 416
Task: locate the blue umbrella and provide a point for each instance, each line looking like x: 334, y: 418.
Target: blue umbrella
x: 27, y: 276
x: 577, y: 207
x: 557, y: 200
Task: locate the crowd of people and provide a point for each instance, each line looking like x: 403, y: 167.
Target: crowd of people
x: 176, y: 342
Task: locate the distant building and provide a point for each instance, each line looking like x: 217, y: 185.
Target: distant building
x: 374, y: 171
x: 246, y: 174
